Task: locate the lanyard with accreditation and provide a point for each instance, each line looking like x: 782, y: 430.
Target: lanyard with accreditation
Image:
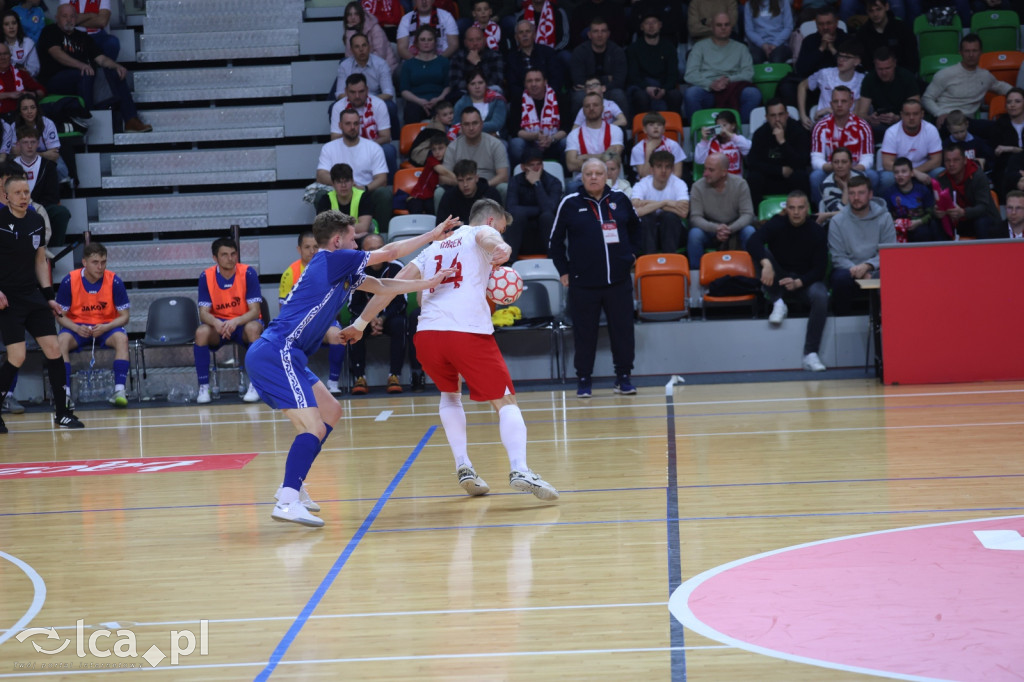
x: 609, y: 229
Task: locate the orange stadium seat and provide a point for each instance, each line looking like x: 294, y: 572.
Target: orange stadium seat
x: 663, y: 286
x: 673, y: 125
x: 1003, y: 65
x: 405, y: 180
x: 408, y: 135
x: 996, y: 106
x: 719, y: 264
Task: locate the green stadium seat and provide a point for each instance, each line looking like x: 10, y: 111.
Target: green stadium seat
x: 770, y: 206
x: 931, y: 65
x: 999, y: 29
x: 937, y: 40
x: 767, y: 77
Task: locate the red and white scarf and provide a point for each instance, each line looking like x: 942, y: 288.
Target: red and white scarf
x: 19, y: 85
x: 414, y: 23
x: 492, y: 34
x: 546, y: 24
x: 607, y: 139
x: 368, y: 123
x: 548, y: 121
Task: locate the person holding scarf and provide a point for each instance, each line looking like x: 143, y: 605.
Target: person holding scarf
x: 540, y: 123
x: 596, y: 138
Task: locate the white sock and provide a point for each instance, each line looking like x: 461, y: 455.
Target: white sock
x: 453, y: 419
x: 118, y: 387
x: 287, y: 495
x: 513, y: 435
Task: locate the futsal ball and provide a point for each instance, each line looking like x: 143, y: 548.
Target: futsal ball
x: 504, y: 286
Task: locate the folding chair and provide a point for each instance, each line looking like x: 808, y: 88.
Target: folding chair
x: 170, y: 321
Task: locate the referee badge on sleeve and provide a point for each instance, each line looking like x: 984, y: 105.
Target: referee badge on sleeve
x: 36, y: 240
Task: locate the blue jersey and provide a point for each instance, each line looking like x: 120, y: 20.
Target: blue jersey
x: 316, y: 299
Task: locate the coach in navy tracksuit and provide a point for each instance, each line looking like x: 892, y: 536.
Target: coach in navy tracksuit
x: 603, y: 232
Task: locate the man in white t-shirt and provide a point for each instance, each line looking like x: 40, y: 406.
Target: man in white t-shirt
x: 611, y: 112
x: 375, y: 121
x: 424, y: 12
x: 595, y: 139
x: 662, y: 201
x: 917, y: 140
x: 369, y: 168
x: 455, y: 340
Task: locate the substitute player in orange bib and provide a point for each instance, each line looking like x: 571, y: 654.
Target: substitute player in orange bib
x: 455, y: 341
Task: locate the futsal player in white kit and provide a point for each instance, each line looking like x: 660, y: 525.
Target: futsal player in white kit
x: 455, y: 340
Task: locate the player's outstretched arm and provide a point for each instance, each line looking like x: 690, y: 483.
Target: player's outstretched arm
x: 406, y: 281
x: 399, y: 249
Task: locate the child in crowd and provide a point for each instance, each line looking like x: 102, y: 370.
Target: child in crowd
x: 483, y: 18
x: 654, y: 140
x: 975, y: 148
x: 911, y: 204
x: 444, y: 114
x: 615, y: 179
x: 612, y: 112
x: 420, y: 199
x: 825, y: 80
x: 722, y: 138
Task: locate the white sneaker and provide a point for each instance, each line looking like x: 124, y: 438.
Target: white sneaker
x: 779, y: 312
x: 471, y: 483
x: 529, y: 482
x: 333, y: 387
x: 813, y: 363
x: 251, y: 396
x: 295, y: 513
x: 204, y: 394
x: 304, y: 498
x: 119, y: 399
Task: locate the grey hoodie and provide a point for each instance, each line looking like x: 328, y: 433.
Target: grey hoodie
x: 853, y: 240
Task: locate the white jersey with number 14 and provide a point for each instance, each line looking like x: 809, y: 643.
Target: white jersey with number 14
x: 459, y: 304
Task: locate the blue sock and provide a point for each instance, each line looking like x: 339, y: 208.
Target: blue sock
x: 120, y: 372
x: 300, y: 458
x: 336, y: 358
x: 67, y: 373
x: 328, y: 434
x: 202, y: 355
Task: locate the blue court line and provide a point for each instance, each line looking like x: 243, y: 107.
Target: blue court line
x: 325, y: 584
x: 675, y: 567
x: 561, y: 492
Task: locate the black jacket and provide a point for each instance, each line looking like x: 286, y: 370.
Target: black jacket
x: 767, y: 156
x: 587, y: 259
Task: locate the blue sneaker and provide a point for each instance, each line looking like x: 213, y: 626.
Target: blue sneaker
x: 583, y: 387
x: 623, y: 386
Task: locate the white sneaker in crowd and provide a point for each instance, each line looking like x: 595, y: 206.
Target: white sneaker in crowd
x: 813, y: 363
x: 251, y: 396
x: 779, y: 312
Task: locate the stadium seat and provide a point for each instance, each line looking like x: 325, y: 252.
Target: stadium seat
x: 673, y: 125
x: 937, y: 40
x: 408, y: 135
x: 767, y: 77
x: 771, y: 206
x: 405, y: 180
x: 410, y: 225
x: 552, y: 167
x: 758, y: 117
x: 999, y: 29
x: 662, y: 286
x: 809, y: 27
x: 62, y: 133
x: 535, y: 307
x: 720, y: 264
x: 542, y: 271
x: 170, y: 321
x: 996, y: 106
x: 934, y: 63
x: 1003, y: 65
x: 702, y: 119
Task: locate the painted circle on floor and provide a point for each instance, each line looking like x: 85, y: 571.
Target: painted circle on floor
x: 936, y: 602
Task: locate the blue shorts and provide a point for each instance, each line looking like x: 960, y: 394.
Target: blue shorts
x: 84, y: 343
x: 281, y: 378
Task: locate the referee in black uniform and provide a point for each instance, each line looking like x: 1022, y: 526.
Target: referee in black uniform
x: 26, y: 297
x: 603, y: 232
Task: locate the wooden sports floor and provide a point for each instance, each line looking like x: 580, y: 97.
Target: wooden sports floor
x: 412, y: 580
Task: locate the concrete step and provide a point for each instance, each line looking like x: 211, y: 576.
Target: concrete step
x: 229, y: 44
x: 116, y: 227
x: 185, y: 85
x: 182, y: 206
x: 209, y: 124
x: 169, y: 260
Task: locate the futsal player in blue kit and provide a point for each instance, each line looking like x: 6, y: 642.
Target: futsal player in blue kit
x: 277, y: 361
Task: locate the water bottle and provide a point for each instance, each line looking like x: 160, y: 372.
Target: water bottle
x: 214, y: 385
